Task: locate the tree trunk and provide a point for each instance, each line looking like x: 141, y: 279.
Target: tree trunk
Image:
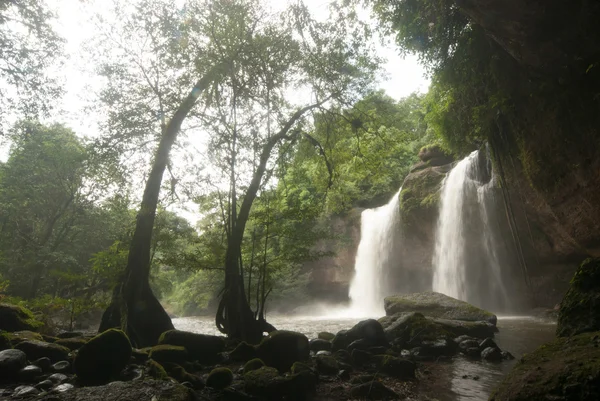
x: 134, y: 308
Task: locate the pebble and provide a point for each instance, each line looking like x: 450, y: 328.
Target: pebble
x: 25, y: 390
x: 44, y: 385
x: 58, y: 378
x: 61, y: 367
x: 61, y: 388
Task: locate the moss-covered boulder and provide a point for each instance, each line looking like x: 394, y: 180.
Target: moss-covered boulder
x: 282, y: 348
x: 169, y: 354
x: 156, y: 370
x: 437, y: 305
x: 39, y: 349
x: 369, y: 330
x: 267, y: 383
x: 219, y: 378
x: 564, y: 369
x: 20, y: 336
x: 181, y: 375
x: 72, y: 343
x: 17, y: 318
x: 420, y: 194
x: 202, y: 347
x: 243, y: 352
x: 435, y: 154
x: 253, y: 364
x: 103, y: 357
x: 298, y: 367
x: 327, y: 365
x: 579, y: 309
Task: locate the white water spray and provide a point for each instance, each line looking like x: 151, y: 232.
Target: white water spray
x: 374, y: 258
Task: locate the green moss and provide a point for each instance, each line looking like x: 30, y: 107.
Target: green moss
x: 18, y: 318
x: 20, y: 336
x: 156, y: 370
x: 420, y: 193
x: 253, y: 364
x: 298, y: 367
x: 168, y: 353
x: 72, y: 343
x: 4, y: 341
x: 219, y: 378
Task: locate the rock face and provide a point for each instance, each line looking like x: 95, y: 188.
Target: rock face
x: 16, y: 318
x: 579, y: 309
x: 103, y: 357
x: 436, y: 305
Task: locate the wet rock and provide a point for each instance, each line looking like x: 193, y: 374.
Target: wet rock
x: 20, y: 336
x: 362, y: 343
x: 462, y: 338
x: 181, y: 375
x: 262, y: 382
x: 437, y: 348
x: 70, y: 334
x: 131, y: 372
x: 62, y: 388
x: 325, y: 335
x: 327, y: 365
x: 103, y: 357
x: 491, y: 354
x: 219, y: 378
x: 25, y: 391
x: 361, y: 357
x: 372, y: 391
x: 488, y: 342
x: 72, y: 343
x: 317, y: 345
x: 58, y: 378
x: 17, y: 318
x: 11, y: 362
x: 266, y: 382
x: 169, y: 354
x: 398, y: 368
x: 43, y: 363
x: 62, y: 367
x: 466, y: 344
x: 343, y: 355
x: 30, y: 373
x: 44, y: 385
x: 253, y: 364
x: 507, y: 356
x: 243, y: 352
x: 139, y: 355
x: 282, y: 348
x: 202, y: 347
x: 156, y: 370
x: 472, y: 352
x: 325, y: 353
x: 38, y: 349
x: 298, y: 367
x: 370, y: 331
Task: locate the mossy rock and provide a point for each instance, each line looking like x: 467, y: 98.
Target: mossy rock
x: 266, y: 382
x: 156, y: 370
x: 39, y: 349
x: 437, y: 305
x: 219, y: 378
x: 202, y: 347
x: 181, y: 375
x: 169, y: 354
x: 298, y: 367
x: 369, y: 330
x: 72, y: 343
x: 325, y: 335
x: 20, y: 336
x: 434, y: 151
x: 103, y: 357
x: 420, y: 195
x: 4, y: 341
x: 17, y: 318
x: 243, y: 352
x: 397, y: 368
x: 253, y: 364
x: 564, y: 369
x: 327, y: 365
x: 262, y: 382
x: 579, y: 309
x: 282, y: 348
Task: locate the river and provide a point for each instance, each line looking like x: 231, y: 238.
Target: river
x: 467, y: 379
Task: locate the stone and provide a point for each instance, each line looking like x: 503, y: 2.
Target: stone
x: 372, y: 391
x: 491, y: 354
x: 253, y: 364
x: 181, y: 375
x: 4, y: 341
x: 139, y: 355
x: 378, y: 350
x: 45, y: 385
x: 436, y: 305
x: 156, y: 370
x: 30, y: 373
x: 361, y: 357
x: 578, y: 311
x: 58, y: 378
x: 169, y: 354
x: 298, y: 367
x: 73, y: 343
x: 202, y: 347
x: 103, y: 357
x: 266, y: 382
x: 488, y: 342
x: 437, y: 348
x: 219, y: 378
x: 344, y: 375
x: 62, y: 388
x: 325, y: 335
x: 327, y: 365
x: 25, y: 391
x: 40, y: 349
x: 17, y: 318
x: 362, y: 343
x: 318, y: 344
x: 466, y: 344
x: 370, y: 331
x: 282, y: 348
x: 62, y: 367
x: 69, y: 334
x: 20, y: 336
x: 398, y: 368
x: 343, y: 355
x: 434, y: 151
x: 243, y: 352
x: 43, y: 363
x: 328, y: 353
x: 11, y: 362
x: 262, y: 382
x: 507, y: 356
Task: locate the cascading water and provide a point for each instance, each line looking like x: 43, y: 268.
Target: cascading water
x: 374, y: 258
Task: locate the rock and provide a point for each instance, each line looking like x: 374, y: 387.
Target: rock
x: 43, y: 363
x: 361, y: 357
x: 398, y: 368
x: 169, y: 354
x: 437, y: 348
x: 39, y: 349
x: 20, y: 336
x: 343, y: 355
x: 72, y: 343
x: 139, y: 355
x: 4, y: 341
x: 578, y: 311
x: 156, y: 370
x: 145, y: 390
x: 491, y: 354
x: 181, y: 375
x: 30, y: 373
x: 219, y: 378
x: 62, y: 388
x: 434, y: 151
x: 262, y: 382
x: 317, y: 345
x: 378, y: 350
x: 131, y: 372
x: 45, y: 385
x: 372, y: 391
x: 58, y: 378
x: 202, y: 347
x: 468, y: 344
x: 282, y: 348
x: 362, y: 343
x: 298, y: 367
x: 507, y: 356
x: 243, y: 352
x: 17, y: 318
x: 437, y: 305
x: 488, y: 342
x: 552, y: 369
x: 266, y: 382
x: 70, y: 334
x: 327, y: 365
x: 325, y: 335
x: 327, y: 353
x: 253, y: 364
x: 103, y: 357
x: 370, y: 331
x: 344, y: 375
x: 25, y: 391
x: 62, y: 367
x: 11, y: 362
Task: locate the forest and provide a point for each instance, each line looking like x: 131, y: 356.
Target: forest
x: 236, y: 173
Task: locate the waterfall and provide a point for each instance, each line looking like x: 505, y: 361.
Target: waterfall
x: 375, y: 257
x: 466, y: 262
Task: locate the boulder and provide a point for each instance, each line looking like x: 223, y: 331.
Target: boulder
x: 325, y: 335
x: 62, y: 367
x: 398, y: 368
x: 360, y: 357
x: 327, y: 365
x: 39, y: 349
x: 17, y: 318
x: 169, y: 354
x: 369, y: 331
x: 202, y: 347
x: 103, y: 357
x: 25, y: 391
x: 254, y: 364
x: 4, y: 341
x: 492, y: 354
x: 30, y: 373
x: 564, y: 369
x: 266, y: 382
x: 11, y: 362
x: 219, y: 378
x: 72, y: 343
x: 156, y: 370
x: 58, y: 378
x: 317, y: 345
x: 282, y: 348
x: 43, y: 363
x: 20, y: 336
x: 243, y: 352
x: 579, y: 308
x: 181, y: 375
x: 436, y: 305
x: 434, y: 151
